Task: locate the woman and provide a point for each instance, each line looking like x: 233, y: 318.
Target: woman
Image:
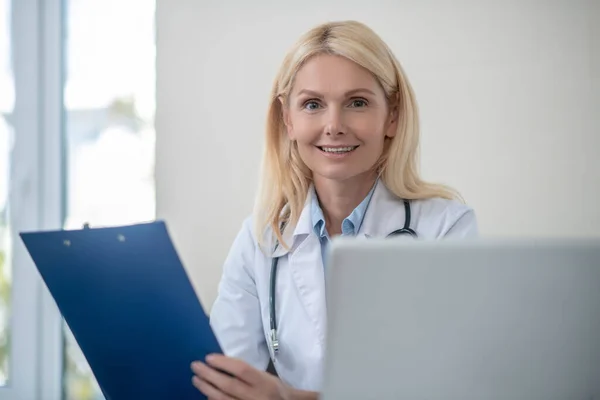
x: 341, y: 159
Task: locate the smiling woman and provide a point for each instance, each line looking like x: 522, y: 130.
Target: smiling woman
x: 340, y: 159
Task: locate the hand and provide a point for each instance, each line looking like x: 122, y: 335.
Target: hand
x: 247, y: 382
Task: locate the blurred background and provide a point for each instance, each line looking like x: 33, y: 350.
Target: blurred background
x: 121, y: 111
x: 92, y: 65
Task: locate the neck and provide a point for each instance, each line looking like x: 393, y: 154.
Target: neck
x: 339, y: 198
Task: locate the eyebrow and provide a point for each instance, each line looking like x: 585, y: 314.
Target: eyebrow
x: 348, y: 93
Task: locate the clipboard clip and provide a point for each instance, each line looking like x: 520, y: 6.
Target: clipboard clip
x: 120, y: 237
x: 67, y: 242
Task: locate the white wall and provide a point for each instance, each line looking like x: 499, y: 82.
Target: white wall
x: 509, y: 93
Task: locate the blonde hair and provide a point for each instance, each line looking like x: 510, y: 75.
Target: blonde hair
x: 285, y: 180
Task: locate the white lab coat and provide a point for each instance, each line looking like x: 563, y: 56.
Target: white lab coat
x: 240, y: 315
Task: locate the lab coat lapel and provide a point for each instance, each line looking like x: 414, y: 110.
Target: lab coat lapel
x: 294, y: 234
x: 384, y: 215
x: 306, y: 267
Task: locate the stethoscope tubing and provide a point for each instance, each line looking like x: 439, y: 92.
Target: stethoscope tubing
x: 406, y: 230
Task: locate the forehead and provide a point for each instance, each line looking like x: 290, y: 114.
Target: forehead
x: 331, y: 74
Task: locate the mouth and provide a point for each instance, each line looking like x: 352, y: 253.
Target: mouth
x: 337, y: 150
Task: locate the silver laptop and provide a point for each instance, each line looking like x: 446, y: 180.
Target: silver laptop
x: 481, y: 320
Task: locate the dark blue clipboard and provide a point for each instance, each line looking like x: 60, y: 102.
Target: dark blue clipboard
x: 128, y: 300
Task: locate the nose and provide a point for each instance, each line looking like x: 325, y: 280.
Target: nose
x: 334, y: 124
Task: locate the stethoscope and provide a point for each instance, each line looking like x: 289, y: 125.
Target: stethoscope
x: 405, y: 230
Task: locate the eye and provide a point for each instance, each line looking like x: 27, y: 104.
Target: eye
x: 311, y: 105
x: 358, y: 103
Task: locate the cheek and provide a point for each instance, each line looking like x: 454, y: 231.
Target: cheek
x: 305, y: 131
x: 368, y: 130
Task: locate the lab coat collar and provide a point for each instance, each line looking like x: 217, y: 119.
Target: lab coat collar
x: 385, y: 214
x: 293, y: 232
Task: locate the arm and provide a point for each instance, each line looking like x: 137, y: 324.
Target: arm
x: 237, y: 322
x: 235, y: 316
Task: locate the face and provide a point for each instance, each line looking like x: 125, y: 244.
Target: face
x: 338, y: 115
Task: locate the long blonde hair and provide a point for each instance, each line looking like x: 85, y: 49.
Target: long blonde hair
x: 285, y: 179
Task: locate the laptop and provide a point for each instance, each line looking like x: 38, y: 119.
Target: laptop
x: 481, y: 319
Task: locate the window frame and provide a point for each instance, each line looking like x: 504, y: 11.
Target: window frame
x: 35, y: 195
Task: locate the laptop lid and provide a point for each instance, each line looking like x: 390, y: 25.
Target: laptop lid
x: 463, y: 320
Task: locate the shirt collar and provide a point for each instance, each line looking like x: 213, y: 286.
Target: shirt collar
x: 350, y: 225
x: 384, y: 214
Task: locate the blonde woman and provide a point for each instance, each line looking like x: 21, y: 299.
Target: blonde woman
x: 341, y: 152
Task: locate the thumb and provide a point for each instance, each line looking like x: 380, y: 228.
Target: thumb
x: 286, y: 392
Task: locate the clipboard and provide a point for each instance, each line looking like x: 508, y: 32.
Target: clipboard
x: 130, y: 305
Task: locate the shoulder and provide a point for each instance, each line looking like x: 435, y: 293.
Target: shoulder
x: 243, y: 246
x: 431, y: 218
x: 444, y: 217
x: 247, y: 227
x: 245, y: 231
x: 246, y: 240
x: 246, y: 235
x: 437, y: 207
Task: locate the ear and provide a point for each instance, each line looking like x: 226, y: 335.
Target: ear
x: 286, y: 118
x: 392, y: 123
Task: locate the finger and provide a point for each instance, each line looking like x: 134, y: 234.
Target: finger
x: 209, y: 390
x: 237, y: 368
x: 224, y: 383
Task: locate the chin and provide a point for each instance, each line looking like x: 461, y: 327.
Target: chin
x: 339, y: 173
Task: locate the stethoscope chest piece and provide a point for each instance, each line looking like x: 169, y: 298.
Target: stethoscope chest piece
x: 274, y: 341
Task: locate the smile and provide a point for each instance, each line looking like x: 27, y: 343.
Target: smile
x: 337, y: 150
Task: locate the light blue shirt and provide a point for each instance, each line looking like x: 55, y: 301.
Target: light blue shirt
x: 350, y: 225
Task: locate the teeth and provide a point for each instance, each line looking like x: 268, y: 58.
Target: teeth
x: 337, y: 149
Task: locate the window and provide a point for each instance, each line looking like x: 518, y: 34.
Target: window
x: 76, y: 145
x: 109, y: 113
